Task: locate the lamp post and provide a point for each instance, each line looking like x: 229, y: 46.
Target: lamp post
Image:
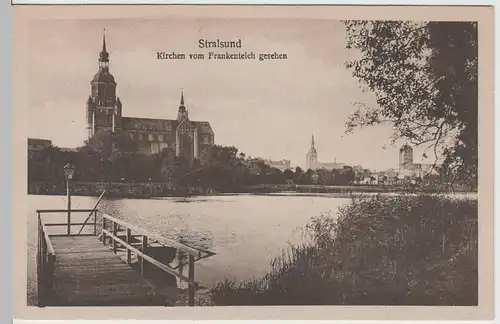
x: 69, y: 171
x: 150, y: 188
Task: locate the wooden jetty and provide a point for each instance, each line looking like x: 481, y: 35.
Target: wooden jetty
x: 118, y: 264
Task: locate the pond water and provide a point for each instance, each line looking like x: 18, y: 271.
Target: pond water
x: 245, y: 231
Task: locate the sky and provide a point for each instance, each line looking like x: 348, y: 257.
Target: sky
x: 266, y: 109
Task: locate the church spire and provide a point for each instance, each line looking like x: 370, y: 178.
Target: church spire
x: 182, y: 113
x: 312, y: 149
x: 104, y: 40
x: 104, y: 55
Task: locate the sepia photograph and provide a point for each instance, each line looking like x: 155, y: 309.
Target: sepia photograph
x: 215, y: 161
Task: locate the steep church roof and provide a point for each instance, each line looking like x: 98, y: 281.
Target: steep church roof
x: 148, y: 124
x: 161, y: 125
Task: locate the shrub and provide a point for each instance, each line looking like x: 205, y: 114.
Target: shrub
x: 406, y: 250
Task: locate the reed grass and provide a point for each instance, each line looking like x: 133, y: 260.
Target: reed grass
x: 380, y: 250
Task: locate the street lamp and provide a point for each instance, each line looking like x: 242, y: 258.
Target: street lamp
x: 69, y: 171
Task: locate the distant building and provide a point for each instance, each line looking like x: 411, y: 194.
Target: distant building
x: 410, y: 170
x: 390, y: 176
x: 36, y: 145
x: 281, y: 165
x: 366, y: 176
x: 189, y: 139
x: 312, y: 160
x: 357, y: 168
x: 68, y: 150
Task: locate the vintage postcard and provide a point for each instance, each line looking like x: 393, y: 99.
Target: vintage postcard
x: 253, y: 162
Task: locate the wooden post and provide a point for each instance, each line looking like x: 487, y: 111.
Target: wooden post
x: 95, y: 222
x: 43, y: 269
x: 52, y: 273
x: 104, y: 227
x: 129, y: 239
x: 39, y: 235
x: 192, y: 285
x: 115, y: 230
x: 180, y: 255
x: 39, y: 264
x: 69, y: 207
x: 48, y: 277
x: 144, y: 249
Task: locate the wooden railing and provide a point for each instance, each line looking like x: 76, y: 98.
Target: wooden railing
x: 69, y: 224
x: 143, y: 240
x: 135, y: 241
x: 46, y: 256
x: 46, y: 260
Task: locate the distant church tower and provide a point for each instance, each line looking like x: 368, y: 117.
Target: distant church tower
x: 312, y: 156
x: 104, y: 109
x: 405, y: 157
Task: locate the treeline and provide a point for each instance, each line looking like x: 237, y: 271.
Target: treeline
x: 109, y: 157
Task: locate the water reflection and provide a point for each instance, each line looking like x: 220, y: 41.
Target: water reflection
x: 170, y: 225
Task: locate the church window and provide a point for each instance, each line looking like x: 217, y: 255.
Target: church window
x: 150, y: 137
x: 160, y: 137
x: 131, y: 135
x: 140, y: 137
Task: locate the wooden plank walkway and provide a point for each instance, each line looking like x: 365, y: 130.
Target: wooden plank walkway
x: 134, y: 269
x: 87, y: 273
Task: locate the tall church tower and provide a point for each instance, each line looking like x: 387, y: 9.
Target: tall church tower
x: 405, y: 157
x: 104, y: 109
x: 312, y: 156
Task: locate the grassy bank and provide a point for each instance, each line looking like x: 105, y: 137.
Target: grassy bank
x: 381, y: 251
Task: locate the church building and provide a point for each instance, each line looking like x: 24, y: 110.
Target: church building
x: 409, y: 169
x: 312, y: 160
x: 189, y: 139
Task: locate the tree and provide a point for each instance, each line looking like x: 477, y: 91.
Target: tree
x: 224, y: 168
x: 109, y: 146
x: 344, y: 176
x: 297, y: 176
x: 112, y: 156
x: 325, y: 177
x: 307, y: 177
x: 424, y: 77
x: 288, y: 175
x: 223, y: 155
x: 47, y: 165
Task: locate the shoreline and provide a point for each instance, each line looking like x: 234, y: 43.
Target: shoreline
x: 284, y: 193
